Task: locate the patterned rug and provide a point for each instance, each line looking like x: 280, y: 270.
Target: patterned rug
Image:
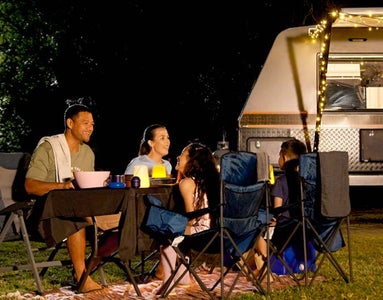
x: 124, y: 290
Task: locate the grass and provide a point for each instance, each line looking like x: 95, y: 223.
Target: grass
x: 366, y: 247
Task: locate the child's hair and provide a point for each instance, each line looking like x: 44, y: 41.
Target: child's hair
x: 293, y: 147
x: 201, y: 166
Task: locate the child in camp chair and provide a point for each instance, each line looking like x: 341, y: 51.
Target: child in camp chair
x: 285, y: 192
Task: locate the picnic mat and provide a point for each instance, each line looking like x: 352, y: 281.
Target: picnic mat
x: 124, y: 290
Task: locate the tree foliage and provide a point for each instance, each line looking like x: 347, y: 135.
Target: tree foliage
x: 27, y: 50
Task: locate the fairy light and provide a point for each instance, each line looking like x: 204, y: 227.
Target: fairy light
x: 323, y: 32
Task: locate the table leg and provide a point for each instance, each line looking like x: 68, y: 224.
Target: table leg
x: 132, y: 280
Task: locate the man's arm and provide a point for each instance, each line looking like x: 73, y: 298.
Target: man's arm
x: 40, y: 188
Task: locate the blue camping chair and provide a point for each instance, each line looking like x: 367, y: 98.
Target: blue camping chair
x: 313, y: 233
x: 326, y: 206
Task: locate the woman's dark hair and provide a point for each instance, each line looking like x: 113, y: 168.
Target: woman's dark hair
x: 73, y: 110
x: 148, y: 136
x: 201, y: 166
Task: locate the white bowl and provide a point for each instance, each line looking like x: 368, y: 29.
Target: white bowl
x: 91, y: 179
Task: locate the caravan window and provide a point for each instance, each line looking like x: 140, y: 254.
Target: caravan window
x: 354, y: 82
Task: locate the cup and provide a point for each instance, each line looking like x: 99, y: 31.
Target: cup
x: 117, y: 178
x: 142, y: 172
x: 116, y: 181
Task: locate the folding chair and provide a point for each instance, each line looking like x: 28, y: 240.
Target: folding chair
x: 17, y: 212
x: 10, y: 170
x: 238, y: 226
x: 17, y: 208
x: 326, y: 205
x: 105, y: 250
x: 287, y: 251
x: 315, y: 232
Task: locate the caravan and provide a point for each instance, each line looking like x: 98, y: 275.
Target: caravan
x: 323, y: 85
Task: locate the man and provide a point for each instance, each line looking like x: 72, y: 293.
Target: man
x: 51, y: 167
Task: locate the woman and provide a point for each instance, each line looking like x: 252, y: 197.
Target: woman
x: 199, y: 188
x: 154, y: 147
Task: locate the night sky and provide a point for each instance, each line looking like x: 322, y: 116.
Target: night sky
x: 189, y: 65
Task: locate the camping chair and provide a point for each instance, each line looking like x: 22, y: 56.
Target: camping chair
x: 17, y: 212
x: 105, y: 250
x: 9, y: 188
x: 243, y: 188
x: 104, y: 245
x: 315, y: 232
x: 326, y: 205
x: 17, y: 208
x: 286, y: 251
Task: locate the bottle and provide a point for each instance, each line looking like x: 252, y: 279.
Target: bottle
x: 135, y: 182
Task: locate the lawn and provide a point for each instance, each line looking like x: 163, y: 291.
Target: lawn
x: 366, y: 248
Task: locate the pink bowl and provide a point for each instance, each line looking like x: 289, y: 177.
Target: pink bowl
x: 91, y: 179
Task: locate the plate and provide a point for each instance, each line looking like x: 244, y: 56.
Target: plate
x: 117, y: 185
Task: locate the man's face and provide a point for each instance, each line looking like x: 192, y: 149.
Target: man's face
x: 82, y: 126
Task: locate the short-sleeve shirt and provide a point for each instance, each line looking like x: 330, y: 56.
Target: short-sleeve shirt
x: 280, y: 189
x: 42, y: 166
x: 145, y: 160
